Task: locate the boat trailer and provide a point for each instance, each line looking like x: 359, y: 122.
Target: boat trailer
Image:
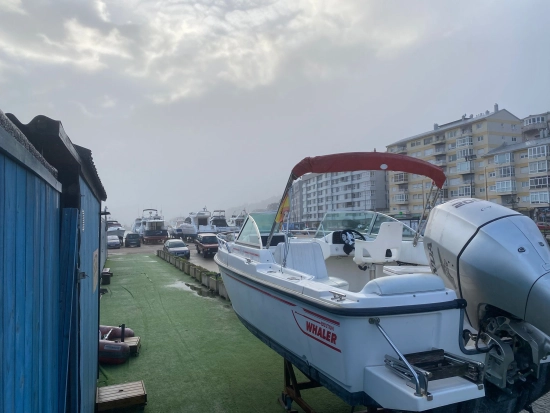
x: 292, y: 392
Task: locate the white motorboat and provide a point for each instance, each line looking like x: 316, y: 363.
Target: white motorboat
x: 115, y: 228
x: 237, y: 220
x: 218, y: 222
x: 196, y: 222
x: 375, y: 312
x: 153, y: 228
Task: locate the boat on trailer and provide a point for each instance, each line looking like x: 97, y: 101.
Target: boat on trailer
x: 387, y: 318
x: 153, y: 227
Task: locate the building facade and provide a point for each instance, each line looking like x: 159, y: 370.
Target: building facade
x: 518, y: 175
x: 460, y: 148
x: 316, y: 194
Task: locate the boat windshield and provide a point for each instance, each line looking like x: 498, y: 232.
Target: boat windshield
x: 264, y: 220
x: 339, y: 220
x: 365, y: 222
x: 257, y: 224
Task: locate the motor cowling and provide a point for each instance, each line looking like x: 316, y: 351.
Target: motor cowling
x: 491, y: 255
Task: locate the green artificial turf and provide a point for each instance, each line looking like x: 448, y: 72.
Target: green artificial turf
x: 195, y: 356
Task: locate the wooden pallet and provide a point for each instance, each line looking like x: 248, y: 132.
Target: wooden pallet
x: 121, y: 395
x: 135, y: 345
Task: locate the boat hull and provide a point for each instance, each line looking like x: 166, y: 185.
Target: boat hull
x: 340, y: 350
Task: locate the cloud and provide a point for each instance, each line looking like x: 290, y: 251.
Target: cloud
x: 108, y: 102
x: 12, y: 6
x: 183, y: 48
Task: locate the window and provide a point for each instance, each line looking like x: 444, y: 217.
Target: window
x: 506, y: 186
x: 536, y: 167
x: 428, y: 141
x: 539, y: 197
x: 481, y: 177
x: 454, y: 181
x: 480, y: 152
x: 467, y: 141
x: 451, y: 158
x: 506, y: 171
x: 466, y: 190
x: 451, y: 134
x: 492, y: 174
x: 539, y: 182
x: 525, y: 184
x: 523, y: 155
x: 428, y: 152
x: 479, y: 138
x: 537, y: 152
x: 479, y: 125
x: 514, y: 139
x: 504, y: 158
x: 463, y: 167
x: 524, y: 169
x: 480, y: 164
x: 481, y: 189
x: 451, y: 146
x: 493, y: 188
x: 513, y: 127
x: 462, y: 153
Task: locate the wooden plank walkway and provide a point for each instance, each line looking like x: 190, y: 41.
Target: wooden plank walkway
x: 121, y: 396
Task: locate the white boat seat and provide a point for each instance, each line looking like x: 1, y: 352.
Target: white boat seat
x: 404, y: 284
x: 390, y: 237
x: 407, y: 269
x: 307, y: 257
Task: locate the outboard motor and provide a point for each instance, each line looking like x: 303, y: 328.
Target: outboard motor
x: 499, y: 262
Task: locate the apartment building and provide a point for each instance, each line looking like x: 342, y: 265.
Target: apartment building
x: 518, y: 174
x: 460, y: 148
x: 315, y: 194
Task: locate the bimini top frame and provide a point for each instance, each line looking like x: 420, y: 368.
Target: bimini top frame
x: 360, y: 161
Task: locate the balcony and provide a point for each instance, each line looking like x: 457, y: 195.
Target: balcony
x: 399, y: 149
x: 438, y: 139
x: 440, y: 150
x: 400, y: 199
x: 467, y: 131
x: 468, y: 170
x: 440, y: 162
x: 506, y: 189
x: 534, y: 126
x: 400, y: 178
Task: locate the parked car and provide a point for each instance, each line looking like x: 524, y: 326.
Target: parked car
x: 206, y: 244
x: 132, y: 240
x: 177, y: 247
x: 543, y: 226
x: 113, y: 241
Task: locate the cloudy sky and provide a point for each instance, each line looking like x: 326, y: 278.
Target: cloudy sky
x: 186, y: 104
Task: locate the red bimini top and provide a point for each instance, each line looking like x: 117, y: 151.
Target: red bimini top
x: 368, y: 161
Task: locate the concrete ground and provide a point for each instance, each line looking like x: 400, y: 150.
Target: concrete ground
x: 196, y: 356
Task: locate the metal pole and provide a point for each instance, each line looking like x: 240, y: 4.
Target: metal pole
x: 486, y: 190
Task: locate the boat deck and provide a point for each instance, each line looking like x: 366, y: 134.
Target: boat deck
x: 195, y: 355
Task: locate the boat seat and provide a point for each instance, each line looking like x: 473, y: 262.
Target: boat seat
x: 404, y: 284
x: 307, y: 257
x: 384, y: 248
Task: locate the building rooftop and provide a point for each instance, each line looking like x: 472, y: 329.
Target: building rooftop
x: 505, y: 148
x: 465, y: 121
